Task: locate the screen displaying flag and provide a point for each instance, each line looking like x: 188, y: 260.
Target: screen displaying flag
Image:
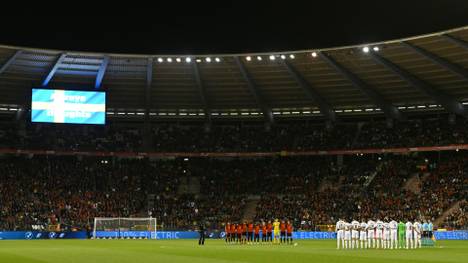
x: 68, y: 106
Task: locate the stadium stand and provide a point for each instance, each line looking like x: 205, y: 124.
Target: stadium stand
x: 456, y: 219
x: 191, y: 140
x: 71, y: 191
x: 244, y: 137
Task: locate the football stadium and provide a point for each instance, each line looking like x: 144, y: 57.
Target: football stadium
x: 354, y: 153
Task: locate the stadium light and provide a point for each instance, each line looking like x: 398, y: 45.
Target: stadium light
x: 186, y: 159
x: 292, y: 56
x: 272, y: 57
x: 283, y: 57
x: 169, y: 60
x: 259, y: 58
x: 208, y: 59
x: 178, y: 60
x: 188, y: 60
x: 160, y: 60
x: 314, y: 54
x: 376, y: 49
x: 365, y: 49
x: 248, y: 58
x: 218, y: 60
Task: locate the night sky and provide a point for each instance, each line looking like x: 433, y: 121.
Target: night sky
x: 191, y: 27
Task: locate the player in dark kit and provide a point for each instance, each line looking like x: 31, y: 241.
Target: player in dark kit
x: 257, y: 233
x: 244, y: 233
x: 227, y: 231
x: 239, y: 233
x: 289, y: 231
x: 233, y: 232
x: 264, y: 232
x: 269, y: 229
x: 283, y: 231
x: 250, y: 232
x: 201, y: 231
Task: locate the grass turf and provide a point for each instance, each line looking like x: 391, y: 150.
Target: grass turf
x: 136, y: 251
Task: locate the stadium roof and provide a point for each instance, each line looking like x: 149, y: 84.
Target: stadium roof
x: 428, y: 72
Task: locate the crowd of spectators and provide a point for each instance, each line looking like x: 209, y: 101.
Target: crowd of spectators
x: 385, y: 197
x: 260, y: 176
x: 187, y: 211
x: 70, y: 137
x: 234, y: 137
x: 72, y: 191
x: 429, y: 132
x: 457, y: 219
x: 252, y: 137
x: 313, y: 190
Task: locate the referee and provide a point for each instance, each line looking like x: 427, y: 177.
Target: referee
x: 431, y: 228
x: 201, y: 231
x: 425, y: 227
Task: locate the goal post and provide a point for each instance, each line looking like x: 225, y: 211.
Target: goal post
x: 124, y: 227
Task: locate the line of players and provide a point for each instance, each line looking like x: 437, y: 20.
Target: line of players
x: 385, y: 235
x: 259, y: 233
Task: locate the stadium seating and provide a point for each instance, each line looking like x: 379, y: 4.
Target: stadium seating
x: 240, y: 137
x: 457, y: 219
x: 71, y: 191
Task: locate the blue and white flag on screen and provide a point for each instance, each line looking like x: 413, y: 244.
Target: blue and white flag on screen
x: 68, y: 106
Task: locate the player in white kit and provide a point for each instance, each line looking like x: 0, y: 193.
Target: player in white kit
x: 371, y: 234
x: 409, y: 235
x: 340, y: 226
x: 379, y: 233
x: 386, y: 235
x: 363, y: 235
x: 417, y: 228
x: 347, y: 235
x: 354, y: 234
x: 393, y: 234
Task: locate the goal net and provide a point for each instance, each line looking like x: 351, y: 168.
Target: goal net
x: 130, y: 228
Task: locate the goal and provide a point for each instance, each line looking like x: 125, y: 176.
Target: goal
x: 130, y: 228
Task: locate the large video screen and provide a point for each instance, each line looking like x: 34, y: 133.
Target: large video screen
x: 68, y: 106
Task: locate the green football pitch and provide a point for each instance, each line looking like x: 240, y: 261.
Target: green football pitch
x: 135, y: 251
